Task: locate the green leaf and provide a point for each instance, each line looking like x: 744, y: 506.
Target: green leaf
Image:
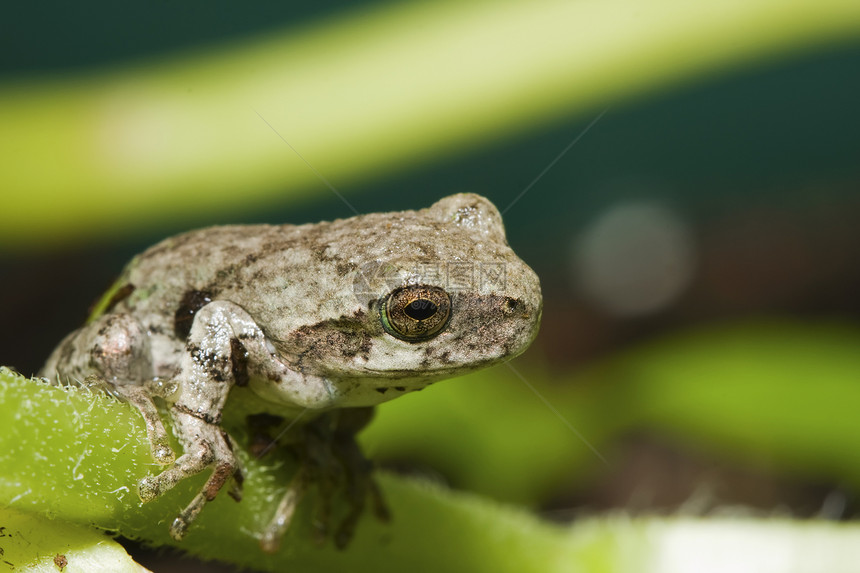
x: 774, y: 394
x: 76, y: 456
x: 780, y: 393
x: 39, y: 545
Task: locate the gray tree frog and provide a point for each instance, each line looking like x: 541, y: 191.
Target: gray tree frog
x: 321, y: 321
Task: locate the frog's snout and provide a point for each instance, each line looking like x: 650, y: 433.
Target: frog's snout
x: 524, y: 317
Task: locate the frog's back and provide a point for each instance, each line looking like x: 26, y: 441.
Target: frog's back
x: 202, y: 260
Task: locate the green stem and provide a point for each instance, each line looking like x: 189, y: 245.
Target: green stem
x: 356, y: 96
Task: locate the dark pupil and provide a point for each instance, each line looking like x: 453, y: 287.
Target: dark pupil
x: 420, y: 309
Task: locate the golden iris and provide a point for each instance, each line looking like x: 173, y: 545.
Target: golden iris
x: 416, y: 312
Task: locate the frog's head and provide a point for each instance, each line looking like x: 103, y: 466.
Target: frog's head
x: 437, y: 293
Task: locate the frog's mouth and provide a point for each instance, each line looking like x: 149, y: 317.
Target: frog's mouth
x: 372, y: 387
x: 422, y: 378
x: 362, y: 392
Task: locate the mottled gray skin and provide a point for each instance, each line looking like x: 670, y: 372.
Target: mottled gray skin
x: 293, y: 312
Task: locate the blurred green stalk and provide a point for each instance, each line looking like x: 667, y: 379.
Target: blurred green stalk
x: 361, y: 94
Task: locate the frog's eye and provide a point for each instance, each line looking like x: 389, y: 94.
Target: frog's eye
x: 415, y: 313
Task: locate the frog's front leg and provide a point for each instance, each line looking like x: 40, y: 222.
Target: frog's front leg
x: 224, y: 347
x: 330, y: 459
x: 358, y: 470
x: 205, y: 446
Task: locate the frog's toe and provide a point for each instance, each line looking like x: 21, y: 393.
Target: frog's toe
x: 238, y: 480
x: 163, y: 454
x: 178, y: 528
x: 344, y: 535
x: 378, y: 503
x: 149, y: 488
x: 270, y: 539
x: 95, y: 383
x: 235, y: 490
x: 362, y: 491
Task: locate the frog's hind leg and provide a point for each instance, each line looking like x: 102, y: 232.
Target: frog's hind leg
x: 204, y: 381
x: 111, y: 354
